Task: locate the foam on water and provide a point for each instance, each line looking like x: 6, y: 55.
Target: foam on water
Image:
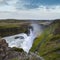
x: 27, y: 41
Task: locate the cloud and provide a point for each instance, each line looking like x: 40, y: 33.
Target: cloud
x: 31, y: 4
x: 29, y: 9
x: 28, y: 4
x: 40, y: 13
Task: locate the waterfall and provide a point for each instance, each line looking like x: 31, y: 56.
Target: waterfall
x: 23, y: 40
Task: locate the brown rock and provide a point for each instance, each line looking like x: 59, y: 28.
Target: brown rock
x: 3, y: 48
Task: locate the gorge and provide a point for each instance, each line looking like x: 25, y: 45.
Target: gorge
x: 24, y: 40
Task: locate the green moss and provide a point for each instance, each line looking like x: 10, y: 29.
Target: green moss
x: 18, y: 49
x: 15, y: 59
x: 47, y: 44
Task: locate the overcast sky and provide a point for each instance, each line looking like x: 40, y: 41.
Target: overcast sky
x: 30, y: 9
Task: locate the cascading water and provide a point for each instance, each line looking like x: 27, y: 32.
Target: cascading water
x: 24, y: 41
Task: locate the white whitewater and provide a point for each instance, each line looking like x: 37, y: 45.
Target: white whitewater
x: 27, y: 41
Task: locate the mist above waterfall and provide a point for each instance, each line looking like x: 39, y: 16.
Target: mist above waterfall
x: 33, y: 34
x: 37, y: 29
x: 26, y: 42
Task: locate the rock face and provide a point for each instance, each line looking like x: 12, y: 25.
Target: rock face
x: 7, y: 53
x: 3, y: 49
x: 11, y: 31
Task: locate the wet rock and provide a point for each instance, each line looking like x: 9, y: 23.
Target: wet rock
x: 7, y: 53
x: 17, y: 37
x: 3, y: 48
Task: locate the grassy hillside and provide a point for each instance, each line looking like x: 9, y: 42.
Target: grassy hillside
x: 8, y: 29
x: 47, y: 44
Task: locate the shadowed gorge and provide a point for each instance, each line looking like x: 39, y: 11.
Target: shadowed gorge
x: 20, y: 40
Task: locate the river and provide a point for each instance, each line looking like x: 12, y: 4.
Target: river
x: 23, y: 40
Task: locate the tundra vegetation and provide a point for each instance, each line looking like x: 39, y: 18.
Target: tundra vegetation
x: 47, y: 44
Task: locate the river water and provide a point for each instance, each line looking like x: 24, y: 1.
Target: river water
x: 23, y: 40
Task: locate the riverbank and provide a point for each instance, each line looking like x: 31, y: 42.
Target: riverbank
x: 47, y: 44
x: 8, y: 29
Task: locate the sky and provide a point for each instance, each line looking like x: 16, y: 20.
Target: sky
x: 30, y: 9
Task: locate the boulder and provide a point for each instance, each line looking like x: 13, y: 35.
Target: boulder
x: 3, y: 48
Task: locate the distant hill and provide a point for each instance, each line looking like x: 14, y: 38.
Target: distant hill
x: 18, y: 21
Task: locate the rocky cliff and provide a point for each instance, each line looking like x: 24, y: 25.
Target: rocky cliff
x: 7, y: 53
x: 12, y: 29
